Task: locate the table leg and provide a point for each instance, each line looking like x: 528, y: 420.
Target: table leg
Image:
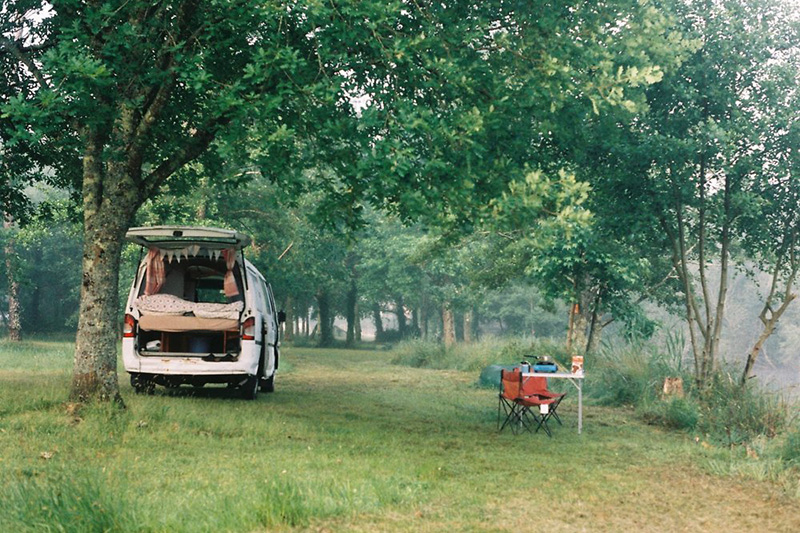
x: 580, y: 408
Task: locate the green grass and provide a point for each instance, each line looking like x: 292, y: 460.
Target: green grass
x: 349, y: 442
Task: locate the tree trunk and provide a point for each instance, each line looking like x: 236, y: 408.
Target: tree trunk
x: 358, y: 323
x: 14, y: 310
x: 469, y: 333
x: 288, y: 327
x: 109, y: 203
x: 352, y: 299
x: 769, y: 316
x: 448, y: 326
x: 400, y: 311
x: 573, y: 311
x: 376, y: 318
x: 324, y: 319
x: 424, y: 319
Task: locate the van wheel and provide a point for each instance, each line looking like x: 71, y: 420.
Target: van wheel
x: 249, y: 388
x: 268, y: 384
x: 142, y: 384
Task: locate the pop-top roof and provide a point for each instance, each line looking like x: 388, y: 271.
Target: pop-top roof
x: 179, y: 237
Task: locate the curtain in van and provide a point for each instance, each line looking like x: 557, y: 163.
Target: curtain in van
x: 230, y: 287
x: 155, y: 272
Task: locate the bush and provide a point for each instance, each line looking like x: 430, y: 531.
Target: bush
x: 791, y: 449
x: 674, y: 413
x: 732, y: 414
x: 631, y: 374
x: 475, y: 356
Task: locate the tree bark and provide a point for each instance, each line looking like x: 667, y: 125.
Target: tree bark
x: 448, y: 326
x: 352, y: 299
x: 358, y: 323
x: 769, y: 316
x: 14, y: 309
x: 424, y: 319
x: 324, y: 319
x: 288, y: 327
x: 400, y: 311
x: 376, y: 318
x: 109, y: 204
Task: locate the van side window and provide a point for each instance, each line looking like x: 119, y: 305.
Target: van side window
x: 270, y: 299
x: 265, y: 296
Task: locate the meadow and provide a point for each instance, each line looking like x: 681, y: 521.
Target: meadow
x: 351, y: 442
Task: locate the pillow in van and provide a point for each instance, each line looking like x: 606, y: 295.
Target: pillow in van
x: 209, y: 310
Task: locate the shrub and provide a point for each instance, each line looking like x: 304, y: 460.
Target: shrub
x: 791, y: 448
x: 674, y: 413
x: 477, y: 355
x: 631, y: 374
x: 732, y: 414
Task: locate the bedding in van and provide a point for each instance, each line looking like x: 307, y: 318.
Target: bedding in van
x: 178, y: 324
x: 170, y: 305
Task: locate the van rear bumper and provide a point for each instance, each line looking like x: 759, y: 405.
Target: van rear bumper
x: 178, y: 365
x: 193, y: 366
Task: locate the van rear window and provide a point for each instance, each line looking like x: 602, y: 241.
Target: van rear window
x: 211, y: 290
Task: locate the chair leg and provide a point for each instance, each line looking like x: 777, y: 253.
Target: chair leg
x: 511, y: 415
x: 543, y: 424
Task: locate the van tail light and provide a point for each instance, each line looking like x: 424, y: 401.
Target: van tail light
x: 128, y: 327
x: 249, y: 329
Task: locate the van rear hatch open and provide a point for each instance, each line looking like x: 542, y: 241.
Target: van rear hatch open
x: 179, y: 237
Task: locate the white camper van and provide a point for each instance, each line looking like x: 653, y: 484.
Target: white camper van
x: 198, y: 312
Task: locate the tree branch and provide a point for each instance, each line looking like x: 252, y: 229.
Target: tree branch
x: 21, y: 54
x: 191, y: 149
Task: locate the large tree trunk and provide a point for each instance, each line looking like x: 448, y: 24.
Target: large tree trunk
x: 109, y: 205
x: 14, y: 309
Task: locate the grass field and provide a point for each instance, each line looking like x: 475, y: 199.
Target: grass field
x: 348, y: 442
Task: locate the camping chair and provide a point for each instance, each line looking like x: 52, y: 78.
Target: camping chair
x: 537, y: 386
x: 520, y: 411
x: 510, y: 392
x: 536, y: 410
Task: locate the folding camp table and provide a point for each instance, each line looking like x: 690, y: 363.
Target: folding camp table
x: 575, y: 379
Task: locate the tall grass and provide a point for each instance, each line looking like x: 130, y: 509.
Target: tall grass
x: 79, y: 502
x: 477, y: 355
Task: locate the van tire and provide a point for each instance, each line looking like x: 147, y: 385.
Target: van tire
x: 249, y: 388
x: 268, y: 384
x: 142, y: 384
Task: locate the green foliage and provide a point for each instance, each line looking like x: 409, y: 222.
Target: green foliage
x: 791, y: 448
x: 476, y: 356
x: 673, y: 413
x: 630, y: 374
x: 732, y: 414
